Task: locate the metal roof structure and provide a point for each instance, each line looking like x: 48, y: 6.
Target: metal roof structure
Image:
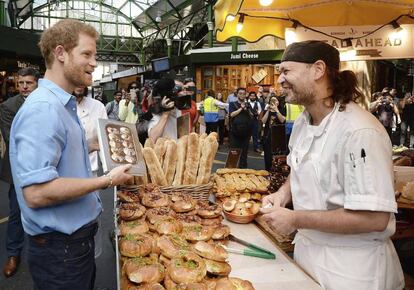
x: 134, y: 30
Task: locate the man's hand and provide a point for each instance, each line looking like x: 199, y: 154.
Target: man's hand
x: 119, y: 175
x: 93, y: 144
x: 271, y: 200
x: 243, y: 106
x: 282, y: 220
x: 127, y: 99
x: 166, y: 103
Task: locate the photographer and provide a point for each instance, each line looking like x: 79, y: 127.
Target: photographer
x: 385, y: 110
x: 128, y: 110
x: 168, y: 98
x: 407, y: 105
x: 255, y: 110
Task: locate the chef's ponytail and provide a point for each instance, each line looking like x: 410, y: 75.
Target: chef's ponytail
x: 345, y: 87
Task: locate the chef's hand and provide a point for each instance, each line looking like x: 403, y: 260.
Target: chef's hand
x: 120, y: 175
x: 269, y: 201
x: 281, y: 219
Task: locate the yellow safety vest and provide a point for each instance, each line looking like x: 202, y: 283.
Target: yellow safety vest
x: 209, y: 106
x: 293, y: 111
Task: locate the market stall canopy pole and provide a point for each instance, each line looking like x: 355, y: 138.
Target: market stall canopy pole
x: 251, y: 21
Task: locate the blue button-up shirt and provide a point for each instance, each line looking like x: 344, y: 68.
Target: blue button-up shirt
x: 47, y: 141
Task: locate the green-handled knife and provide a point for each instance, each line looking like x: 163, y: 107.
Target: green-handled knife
x: 251, y: 253
x: 250, y: 245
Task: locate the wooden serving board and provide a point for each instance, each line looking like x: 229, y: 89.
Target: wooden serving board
x: 282, y: 241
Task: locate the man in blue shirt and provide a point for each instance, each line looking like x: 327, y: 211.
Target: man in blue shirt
x: 50, y: 165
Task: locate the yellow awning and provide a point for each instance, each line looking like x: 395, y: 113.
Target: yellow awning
x: 260, y: 20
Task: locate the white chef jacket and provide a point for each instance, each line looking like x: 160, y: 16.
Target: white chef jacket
x: 345, y: 162
x: 89, y: 111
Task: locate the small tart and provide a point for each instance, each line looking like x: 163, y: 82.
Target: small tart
x: 197, y: 232
x: 168, y: 226
x: 152, y: 199
x: 211, y: 251
x: 233, y: 284
x: 212, y: 222
x: 187, y: 219
x: 170, y: 245
x: 136, y: 227
x: 182, y: 203
x: 221, y: 232
x: 135, y: 245
x: 217, y: 268
x: 128, y: 196
x: 144, y: 270
x: 131, y: 211
x: 155, y: 214
x: 205, y: 210
x: 188, y: 267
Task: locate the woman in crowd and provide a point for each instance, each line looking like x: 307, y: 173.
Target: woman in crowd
x: 222, y: 117
x: 271, y: 117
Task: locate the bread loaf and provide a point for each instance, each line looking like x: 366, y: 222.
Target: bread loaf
x: 149, y: 143
x: 154, y: 167
x: 160, y: 149
x: 193, y: 158
x: 181, y: 158
x: 208, y: 154
x: 170, y: 161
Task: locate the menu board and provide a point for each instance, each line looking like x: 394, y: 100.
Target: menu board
x: 119, y: 145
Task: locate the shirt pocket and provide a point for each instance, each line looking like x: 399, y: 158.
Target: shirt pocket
x: 359, y: 177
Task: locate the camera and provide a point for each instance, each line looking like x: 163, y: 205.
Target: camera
x: 166, y: 87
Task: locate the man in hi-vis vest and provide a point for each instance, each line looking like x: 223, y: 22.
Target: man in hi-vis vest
x: 211, y: 109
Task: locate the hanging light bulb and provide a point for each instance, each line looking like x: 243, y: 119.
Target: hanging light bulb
x: 239, y: 26
x: 265, y: 2
x: 230, y: 18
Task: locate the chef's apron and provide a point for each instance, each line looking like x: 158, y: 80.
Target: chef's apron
x: 335, y: 261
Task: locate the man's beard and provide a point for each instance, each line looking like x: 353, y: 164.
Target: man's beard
x: 75, y: 75
x: 297, y: 97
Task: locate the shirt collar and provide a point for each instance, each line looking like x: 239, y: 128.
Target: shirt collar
x: 322, y: 127
x: 63, y: 96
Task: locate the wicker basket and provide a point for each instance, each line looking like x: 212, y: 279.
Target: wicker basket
x: 200, y: 192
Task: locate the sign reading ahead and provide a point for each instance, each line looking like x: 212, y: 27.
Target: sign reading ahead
x: 386, y: 43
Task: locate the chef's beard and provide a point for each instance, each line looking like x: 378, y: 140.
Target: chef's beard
x: 296, y: 96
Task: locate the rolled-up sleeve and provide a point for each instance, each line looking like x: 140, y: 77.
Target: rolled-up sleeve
x: 37, y: 144
x: 368, y: 172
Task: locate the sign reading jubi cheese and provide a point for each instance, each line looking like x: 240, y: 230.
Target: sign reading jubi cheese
x: 386, y: 43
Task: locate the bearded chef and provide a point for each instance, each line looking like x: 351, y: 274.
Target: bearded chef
x: 341, y: 180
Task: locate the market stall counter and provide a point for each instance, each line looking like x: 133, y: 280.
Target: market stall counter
x: 281, y: 273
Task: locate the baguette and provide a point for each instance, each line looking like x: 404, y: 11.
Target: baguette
x: 242, y: 171
x: 206, y: 162
x: 154, y: 167
x: 149, y: 143
x: 170, y: 161
x: 160, y: 149
x: 141, y: 180
x: 181, y: 158
x: 192, y: 160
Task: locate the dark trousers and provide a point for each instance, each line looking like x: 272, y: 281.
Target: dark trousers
x: 254, y: 128
x: 221, y: 131
x: 15, y: 233
x: 243, y: 144
x: 211, y: 127
x: 267, y: 149
x: 63, y: 262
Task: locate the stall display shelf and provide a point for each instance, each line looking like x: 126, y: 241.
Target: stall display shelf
x: 281, y: 273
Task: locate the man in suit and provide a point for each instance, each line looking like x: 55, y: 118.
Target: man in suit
x: 27, y: 82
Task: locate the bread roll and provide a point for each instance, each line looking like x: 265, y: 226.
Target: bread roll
x: 160, y: 149
x: 170, y: 161
x: 193, y: 158
x: 206, y: 162
x: 149, y: 143
x: 154, y: 167
x: 181, y: 158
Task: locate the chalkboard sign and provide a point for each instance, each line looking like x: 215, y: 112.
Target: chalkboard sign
x: 233, y: 158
